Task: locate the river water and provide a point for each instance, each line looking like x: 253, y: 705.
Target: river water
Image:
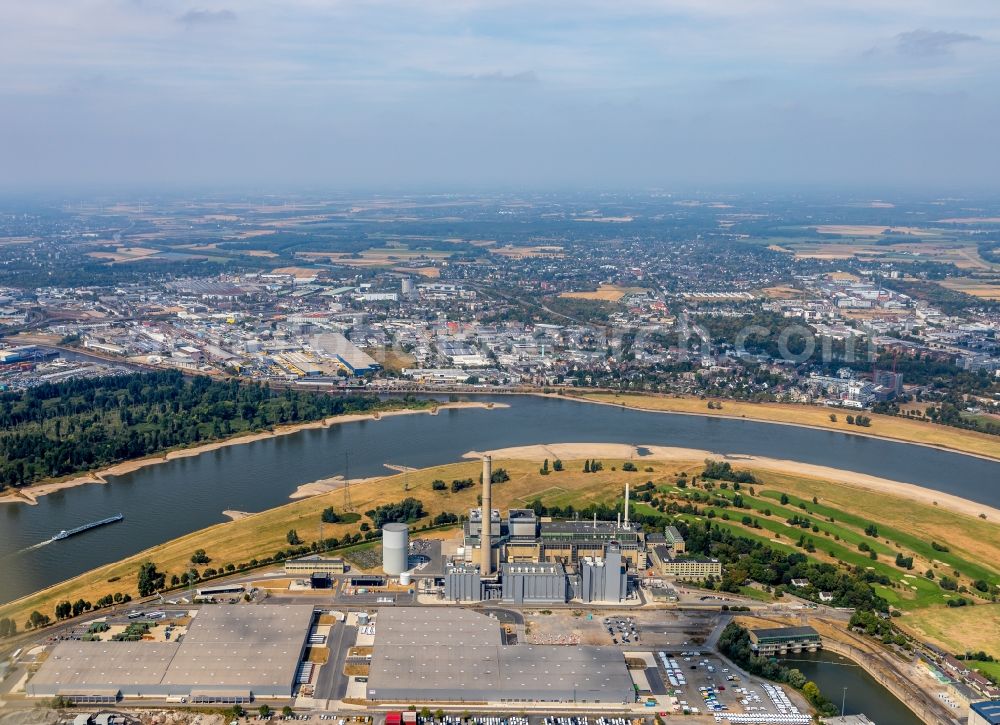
x: 832, y: 673
x: 164, y: 501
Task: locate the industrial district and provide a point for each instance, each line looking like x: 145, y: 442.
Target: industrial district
x: 551, y: 620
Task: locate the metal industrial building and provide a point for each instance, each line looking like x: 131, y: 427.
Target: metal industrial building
x: 456, y: 655
x: 229, y: 654
x: 603, y: 580
x: 530, y: 583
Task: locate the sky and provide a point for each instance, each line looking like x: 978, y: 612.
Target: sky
x: 533, y: 95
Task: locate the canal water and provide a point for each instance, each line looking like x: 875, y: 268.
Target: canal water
x: 167, y: 500
x: 832, y: 673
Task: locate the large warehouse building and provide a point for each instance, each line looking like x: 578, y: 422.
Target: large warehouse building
x: 456, y: 655
x: 229, y: 654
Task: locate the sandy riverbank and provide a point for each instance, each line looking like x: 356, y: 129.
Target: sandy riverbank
x: 30, y: 494
x: 325, y: 485
x: 909, y: 491
x: 236, y: 515
x: 583, y: 398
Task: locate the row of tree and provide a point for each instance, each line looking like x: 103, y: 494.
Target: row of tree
x: 64, y: 428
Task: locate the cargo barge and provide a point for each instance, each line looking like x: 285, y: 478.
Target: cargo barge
x: 64, y: 534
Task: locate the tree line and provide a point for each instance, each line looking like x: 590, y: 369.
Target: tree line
x: 69, y: 427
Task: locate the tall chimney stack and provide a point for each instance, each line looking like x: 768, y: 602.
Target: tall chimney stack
x: 626, y: 504
x: 486, y: 532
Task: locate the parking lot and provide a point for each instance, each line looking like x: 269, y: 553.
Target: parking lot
x: 703, y: 683
x: 622, y: 630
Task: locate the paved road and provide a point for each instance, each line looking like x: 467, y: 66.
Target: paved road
x: 331, y: 683
x: 656, y: 685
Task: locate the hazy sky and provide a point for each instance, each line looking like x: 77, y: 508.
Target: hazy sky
x: 535, y: 94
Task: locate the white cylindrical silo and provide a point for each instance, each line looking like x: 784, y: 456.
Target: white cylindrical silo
x: 395, y: 549
x: 405, y: 578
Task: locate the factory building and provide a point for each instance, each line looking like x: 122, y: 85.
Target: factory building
x: 670, y: 558
x: 346, y: 353
x: 432, y: 655
x: 674, y: 540
x: 666, y: 563
x: 523, y: 537
x: 230, y: 654
x: 315, y: 564
x: 604, y: 580
x: 463, y: 583
x: 592, y: 558
x: 530, y: 583
x: 782, y: 640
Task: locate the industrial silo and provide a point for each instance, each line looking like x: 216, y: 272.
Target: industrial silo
x: 395, y: 549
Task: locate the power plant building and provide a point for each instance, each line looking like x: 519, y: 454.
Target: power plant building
x: 604, y: 580
x: 531, y: 583
x: 463, y: 583
x: 423, y: 654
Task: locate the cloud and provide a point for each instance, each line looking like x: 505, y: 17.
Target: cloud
x: 201, y: 18
x: 930, y: 43
x: 527, y: 76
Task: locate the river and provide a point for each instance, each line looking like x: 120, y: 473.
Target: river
x: 832, y: 673
x: 164, y: 501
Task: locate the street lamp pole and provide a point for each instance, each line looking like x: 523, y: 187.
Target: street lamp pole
x: 843, y: 702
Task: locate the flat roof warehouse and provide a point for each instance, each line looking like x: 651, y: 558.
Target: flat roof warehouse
x: 444, y: 655
x: 229, y: 654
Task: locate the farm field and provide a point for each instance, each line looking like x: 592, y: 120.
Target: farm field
x: 985, y: 288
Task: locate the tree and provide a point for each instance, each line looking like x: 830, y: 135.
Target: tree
x: 586, y: 466
x: 287, y: 710
x: 199, y: 557
x: 8, y: 628
x: 149, y: 579
x: 63, y: 610
x: 557, y: 465
x: 264, y: 710
x: 293, y: 537
x: 833, y: 417
x: 36, y: 619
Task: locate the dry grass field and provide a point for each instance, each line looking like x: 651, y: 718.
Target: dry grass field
x: 959, y: 628
x: 604, y: 293
x: 968, y: 538
x: 986, y: 288
x: 526, y: 252
x: 124, y: 254
x: 869, y: 230
x: 818, y: 417
x: 782, y: 292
